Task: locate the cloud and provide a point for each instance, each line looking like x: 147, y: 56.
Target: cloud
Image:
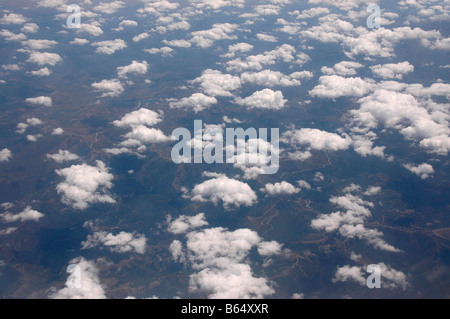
x: 219, y: 257
x: 229, y: 192
x: 35, y: 44
x: 349, y: 221
x: 84, y: 185
x: 392, y: 70
x: 270, y: 78
x: 28, y: 214
x: 13, y: 18
x: 91, y: 29
x: 241, y: 47
x: 184, y: 224
x: 30, y: 28
x: 78, y: 41
x: 11, y: 67
x: 41, y: 72
x: 44, y: 58
x: 11, y: 36
x: 109, y: 88
x: 216, y: 4
x: 43, y: 100
x: 390, y: 278
x: 63, y: 156
x: 219, y: 31
x: 140, y: 133
x: 344, y: 68
x: 165, y: 51
x: 283, y: 188
x: 135, y: 68
x: 178, y: 43
x: 90, y: 286
x: 265, y: 99
x: 5, y: 155
x: 266, y: 37
x: 109, y: 47
x: 141, y: 37
x: 140, y: 117
x: 334, y: 86
x: 214, y: 83
x: 109, y: 7
x: 317, y: 139
x: 423, y: 170
x: 197, y: 101
x: 123, y: 242
x: 58, y: 131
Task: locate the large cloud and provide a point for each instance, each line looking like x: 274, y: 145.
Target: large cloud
x: 134, y: 68
x: 334, y: 86
x: 84, y: 185
x: 317, y: 139
x: 44, y: 58
x: 215, y: 83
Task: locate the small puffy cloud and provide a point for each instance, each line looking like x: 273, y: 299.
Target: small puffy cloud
x: 91, y: 29
x: 35, y: 44
x: 63, y: 156
x: 13, y: 18
x: 283, y: 188
x: 123, y: 242
x: 317, y: 139
x: 392, y: 70
x: 220, y: 31
x: 79, y: 41
x: 84, y: 185
x: 5, y: 155
x: 270, y: 78
x: 164, y: 51
x: 128, y: 23
x: 109, y: 47
x: 11, y: 67
x: 334, y: 86
x: 197, y: 101
x: 183, y: 224
x: 141, y: 37
x: 266, y: 37
x: 265, y: 99
x: 230, y: 192
x: 238, y: 47
x: 269, y: 248
x: 40, y: 100
x: 28, y: 214
x: 44, y: 58
x: 58, y: 131
x: 7, y: 231
x: 215, y: 83
x: 30, y: 28
x: 41, y: 72
x: 109, y: 88
x: 344, y: 68
x: 11, y: 36
x: 109, y: 7
x: 178, y: 43
x: 423, y: 171
x: 140, y: 117
x: 90, y: 286
x: 134, y: 68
